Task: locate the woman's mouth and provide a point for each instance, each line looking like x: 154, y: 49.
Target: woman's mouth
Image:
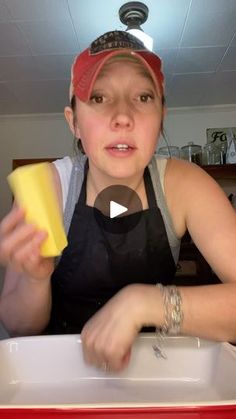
x: 121, y: 147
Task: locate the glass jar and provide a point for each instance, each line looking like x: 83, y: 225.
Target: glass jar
x: 191, y: 152
x: 211, y: 154
x: 170, y: 151
x: 223, y: 152
x: 231, y: 147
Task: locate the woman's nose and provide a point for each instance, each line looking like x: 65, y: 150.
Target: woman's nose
x: 122, y: 117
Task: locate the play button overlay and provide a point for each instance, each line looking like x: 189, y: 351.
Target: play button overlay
x: 117, y: 209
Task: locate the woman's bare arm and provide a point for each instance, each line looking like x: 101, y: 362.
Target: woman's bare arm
x: 209, y: 311
x: 25, y: 301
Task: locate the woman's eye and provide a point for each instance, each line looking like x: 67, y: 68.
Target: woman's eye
x: 97, y: 99
x: 146, y: 97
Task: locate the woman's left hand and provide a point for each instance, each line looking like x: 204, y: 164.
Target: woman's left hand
x: 108, y: 336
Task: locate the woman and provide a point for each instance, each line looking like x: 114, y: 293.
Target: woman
x: 104, y: 284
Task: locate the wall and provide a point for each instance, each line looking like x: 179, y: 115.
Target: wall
x: 190, y: 124
x: 30, y: 136
x: 35, y: 136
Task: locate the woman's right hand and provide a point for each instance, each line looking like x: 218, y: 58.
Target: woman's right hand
x: 20, y: 246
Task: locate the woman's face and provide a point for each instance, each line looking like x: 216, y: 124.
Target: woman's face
x: 120, y: 124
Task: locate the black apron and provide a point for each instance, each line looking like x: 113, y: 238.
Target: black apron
x: 97, y: 264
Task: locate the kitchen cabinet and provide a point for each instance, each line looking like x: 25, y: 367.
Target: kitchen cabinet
x: 221, y: 171
x: 193, y: 269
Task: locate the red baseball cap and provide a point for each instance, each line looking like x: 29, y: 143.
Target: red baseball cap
x: 87, y: 65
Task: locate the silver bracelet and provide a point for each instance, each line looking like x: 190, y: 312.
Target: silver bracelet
x: 173, y: 317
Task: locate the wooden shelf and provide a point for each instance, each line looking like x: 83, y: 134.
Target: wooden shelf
x: 221, y: 171
x: 21, y: 162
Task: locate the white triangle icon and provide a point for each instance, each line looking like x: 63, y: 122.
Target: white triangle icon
x: 116, y: 209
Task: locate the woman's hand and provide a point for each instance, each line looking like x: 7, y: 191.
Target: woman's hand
x: 20, y: 246
x: 108, y: 336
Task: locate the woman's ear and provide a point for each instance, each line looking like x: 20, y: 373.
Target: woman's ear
x: 68, y: 112
x: 69, y: 115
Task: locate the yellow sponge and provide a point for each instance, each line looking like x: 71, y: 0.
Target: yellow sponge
x: 34, y: 190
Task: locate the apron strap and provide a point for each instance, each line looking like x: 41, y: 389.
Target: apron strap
x: 75, y: 185
x: 161, y: 202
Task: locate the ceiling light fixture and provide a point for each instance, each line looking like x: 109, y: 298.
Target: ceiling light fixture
x: 134, y: 14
